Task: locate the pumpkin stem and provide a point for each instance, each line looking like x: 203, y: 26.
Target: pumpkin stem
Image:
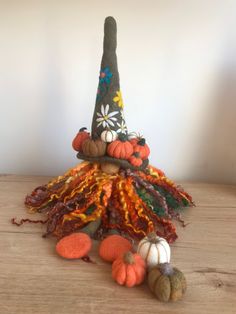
x: 136, y: 154
x: 82, y: 129
x: 128, y: 258
x: 142, y: 142
x: 166, y: 269
x: 152, y: 237
x: 123, y: 137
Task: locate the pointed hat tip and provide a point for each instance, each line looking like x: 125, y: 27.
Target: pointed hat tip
x: 110, y: 23
x: 110, y: 31
x: 110, y: 19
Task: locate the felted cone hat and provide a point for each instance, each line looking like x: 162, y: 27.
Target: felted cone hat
x: 108, y: 113
x: 108, y: 118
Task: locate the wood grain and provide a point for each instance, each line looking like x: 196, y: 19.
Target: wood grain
x: 33, y: 279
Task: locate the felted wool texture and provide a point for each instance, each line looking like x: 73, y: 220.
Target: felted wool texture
x: 167, y: 283
x: 125, y: 164
x: 108, y: 112
x: 113, y: 247
x: 76, y: 245
x: 129, y: 273
x: 107, y: 90
x: 133, y: 202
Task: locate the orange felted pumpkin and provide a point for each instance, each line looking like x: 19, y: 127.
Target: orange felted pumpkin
x: 94, y: 148
x: 129, y: 270
x: 113, y: 247
x: 79, y: 139
x: 75, y: 245
x: 135, y: 160
x: 133, y: 141
x: 141, y: 147
x: 121, y: 148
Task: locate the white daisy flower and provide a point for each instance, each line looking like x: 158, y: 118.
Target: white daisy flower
x: 105, y: 118
x: 122, y: 127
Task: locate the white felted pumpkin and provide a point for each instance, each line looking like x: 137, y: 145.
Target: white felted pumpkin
x: 109, y: 136
x: 154, y: 250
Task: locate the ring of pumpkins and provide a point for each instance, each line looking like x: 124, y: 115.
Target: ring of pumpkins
x: 130, y: 267
x: 134, y: 150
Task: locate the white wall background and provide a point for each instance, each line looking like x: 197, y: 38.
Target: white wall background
x: 178, y: 77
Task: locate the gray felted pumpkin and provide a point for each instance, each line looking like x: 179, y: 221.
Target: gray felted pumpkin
x: 167, y: 283
x: 94, y: 148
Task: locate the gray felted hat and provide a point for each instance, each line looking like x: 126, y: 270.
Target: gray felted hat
x: 109, y: 136
x: 108, y: 113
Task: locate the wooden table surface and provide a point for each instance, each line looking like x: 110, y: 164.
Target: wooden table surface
x: 33, y: 279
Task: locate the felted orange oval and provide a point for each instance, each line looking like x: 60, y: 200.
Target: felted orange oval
x: 75, y: 245
x: 113, y: 247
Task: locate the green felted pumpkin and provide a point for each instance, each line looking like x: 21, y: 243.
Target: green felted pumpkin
x: 167, y: 283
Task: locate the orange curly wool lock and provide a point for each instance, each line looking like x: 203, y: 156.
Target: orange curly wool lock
x: 129, y: 270
x: 113, y: 247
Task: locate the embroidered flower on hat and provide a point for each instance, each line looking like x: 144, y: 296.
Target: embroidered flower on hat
x: 105, y: 76
x: 105, y: 118
x: 122, y: 127
x: 118, y: 99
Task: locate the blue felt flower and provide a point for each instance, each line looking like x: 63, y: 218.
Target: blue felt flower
x: 105, y: 76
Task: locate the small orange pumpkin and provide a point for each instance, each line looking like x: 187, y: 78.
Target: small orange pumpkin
x: 121, y: 148
x: 81, y: 136
x: 140, y: 146
x: 113, y: 247
x: 94, y: 148
x: 134, y: 141
x: 129, y: 270
x: 135, y: 160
